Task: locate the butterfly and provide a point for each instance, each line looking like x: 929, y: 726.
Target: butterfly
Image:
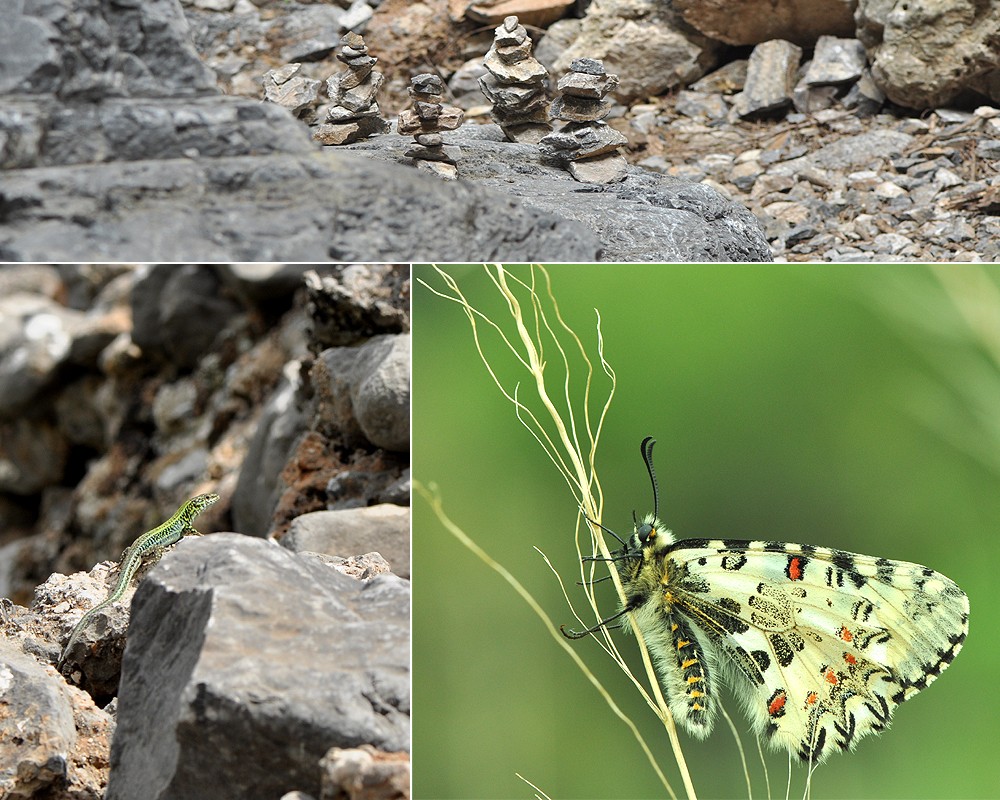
x: 820, y: 645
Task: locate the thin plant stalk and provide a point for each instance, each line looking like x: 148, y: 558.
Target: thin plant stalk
x: 532, y: 326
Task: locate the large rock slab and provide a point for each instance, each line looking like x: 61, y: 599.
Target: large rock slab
x: 310, y: 207
x: 246, y: 663
x: 644, y: 217
x: 116, y: 145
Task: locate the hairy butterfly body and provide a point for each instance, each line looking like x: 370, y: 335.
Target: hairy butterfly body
x: 820, y: 645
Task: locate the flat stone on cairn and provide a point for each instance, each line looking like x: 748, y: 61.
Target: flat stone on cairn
x: 428, y: 117
x: 354, y: 114
x: 585, y: 142
x: 515, y: 85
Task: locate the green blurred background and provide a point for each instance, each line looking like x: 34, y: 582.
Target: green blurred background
x: 843, y: 406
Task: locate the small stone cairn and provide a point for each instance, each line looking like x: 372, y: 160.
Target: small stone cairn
x: 354, y: 114
x: 587, y: 144
x: 428, y: 117
x: 515, y: 85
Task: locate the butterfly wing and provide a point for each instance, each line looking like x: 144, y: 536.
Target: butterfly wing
x: 821, y: 645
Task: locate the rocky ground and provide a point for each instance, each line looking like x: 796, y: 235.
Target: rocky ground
x: 125, y: 389
x: 857, y: 183
x: 833, y: 186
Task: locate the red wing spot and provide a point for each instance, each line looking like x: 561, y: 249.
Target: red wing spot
x: 777, y: 705
x: 811, y: 698
x: 850, y: 659
x: 830, y: 676
x: 795, y: 569
x: 845, y: 634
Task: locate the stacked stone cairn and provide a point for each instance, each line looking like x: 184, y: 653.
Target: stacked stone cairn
x: 428, y: 117
x: 354, y: 114
x: 515, y: 85
x: 586, y: 143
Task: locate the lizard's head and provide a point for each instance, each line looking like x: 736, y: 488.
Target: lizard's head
x: 203, y: 501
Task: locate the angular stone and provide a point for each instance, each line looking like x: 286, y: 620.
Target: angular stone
x: 534, y: 116
x: 361, y: 96
x: 427, y: 111
x: 526, y: 133
x: 282, y: 74
x: 426, y: 83
x: 353, y: 131
x: 353, y: 77
x: 409, y: 122
x: 540, y: 13
x: 588, y: 66
x: 770, y: 79
x: 508, y: 97
x: 603, y: 169
x: 359, y: 61
x: 340, y: 114
x: 442, y: 169
x: 527, y: 71
x: 286, y: 88
x: 353, y: 40
x: 587, y: 84
x: 836, y: 61
x: 581, y: 140
x: 512, y: 53
x: 444, y: 153
x: 579, y: 109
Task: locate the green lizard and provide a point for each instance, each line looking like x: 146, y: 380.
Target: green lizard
x: 151, y: 544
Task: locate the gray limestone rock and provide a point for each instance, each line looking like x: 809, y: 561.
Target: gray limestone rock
x: 383, y: 529
x: 644, y: 217
x: 36, y: 728
x: 365, y: 391
x: 579, y: 109
x: 259, y: 486
x: 115, y: 145
x: 309, y: 207
x: 593, y: 85
x: 578, y: 140
x: 602, y: 169
x: 177, y: 311
x: 290, y: 90
x: 836, y: 61
x: 770, y: 79
x: 33, y: 455
x: 36, y: 338
x: 249, y: 645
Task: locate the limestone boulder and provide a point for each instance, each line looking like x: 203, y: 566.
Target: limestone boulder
x: 932, y: 53
x: 743, y: 22
x: 644, y: 42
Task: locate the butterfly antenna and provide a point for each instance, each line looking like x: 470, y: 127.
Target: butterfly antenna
x: 647, y: 457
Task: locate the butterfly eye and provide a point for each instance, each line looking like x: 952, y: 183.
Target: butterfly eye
x: 646, y: 532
